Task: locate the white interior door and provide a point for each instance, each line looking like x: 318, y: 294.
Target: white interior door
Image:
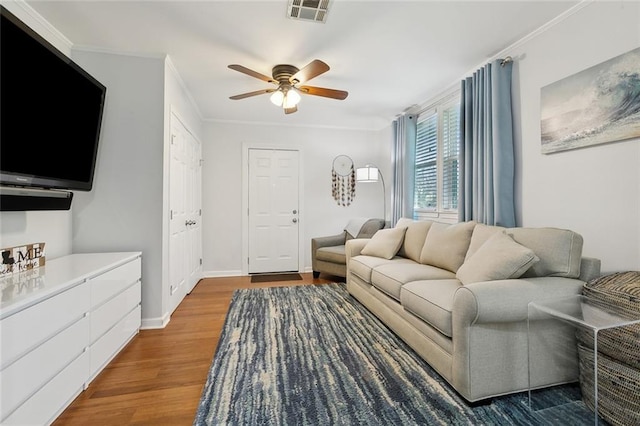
x: 185, y: 247
x: 273, y: 210
x: 193, y: 211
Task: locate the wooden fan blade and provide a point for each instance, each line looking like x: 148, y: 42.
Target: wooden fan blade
x: 252, y: 73
x: 321, y: 91
x: 313, y: 69
x: 290, y: 110
x: 249, y: 94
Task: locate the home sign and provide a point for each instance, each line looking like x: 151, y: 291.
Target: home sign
x: 22, y: 258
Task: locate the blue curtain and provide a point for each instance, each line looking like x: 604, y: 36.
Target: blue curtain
x: 486, y: 151
x: 404, y: 146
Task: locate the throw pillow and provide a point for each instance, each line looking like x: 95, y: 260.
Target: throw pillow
x: 481, y: 233
x: 385, y: 243
x: 499, y: 258
x: 446, y: 245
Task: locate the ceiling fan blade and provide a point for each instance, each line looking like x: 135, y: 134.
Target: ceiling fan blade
x: 252, y: 73
x: 249, y: 94
x: 313, y: 69
x: 321, y: 91
x: 290, y: 110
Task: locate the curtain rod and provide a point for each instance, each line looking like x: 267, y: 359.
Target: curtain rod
x: 505, y: 61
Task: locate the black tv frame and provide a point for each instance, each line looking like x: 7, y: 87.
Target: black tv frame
x: 20, y: 179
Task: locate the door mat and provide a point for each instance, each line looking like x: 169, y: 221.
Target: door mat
x: 267, y: 278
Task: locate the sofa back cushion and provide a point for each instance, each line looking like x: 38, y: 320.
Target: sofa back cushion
x: 414, y: 237
x: 446, y: 245
x: 481, y: 233
x: 559, y: 250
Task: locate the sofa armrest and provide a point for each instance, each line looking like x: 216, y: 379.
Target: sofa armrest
x: 508, y: 300
x: 589, y: 268
x: 329, y: 241
x: 354, y: 247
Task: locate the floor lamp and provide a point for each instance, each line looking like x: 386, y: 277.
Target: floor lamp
x: 371, y: 173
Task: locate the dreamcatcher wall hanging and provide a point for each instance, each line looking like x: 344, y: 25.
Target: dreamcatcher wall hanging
x: 343, y: 180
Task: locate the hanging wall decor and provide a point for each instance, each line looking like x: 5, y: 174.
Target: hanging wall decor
x: 597, y: 105
x: 343, y: 180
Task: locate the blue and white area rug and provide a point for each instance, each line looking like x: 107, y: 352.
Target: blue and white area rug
x: 313, y: 355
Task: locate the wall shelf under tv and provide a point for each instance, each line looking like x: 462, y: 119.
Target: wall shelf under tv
x: 14, y: 199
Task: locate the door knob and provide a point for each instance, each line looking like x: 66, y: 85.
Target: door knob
x: 295, y: 220
x: 295, y: 211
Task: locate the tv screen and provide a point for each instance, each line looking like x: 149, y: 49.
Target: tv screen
x: 50, y: 113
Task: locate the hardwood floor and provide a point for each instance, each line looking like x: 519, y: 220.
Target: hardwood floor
x: 158, y: 378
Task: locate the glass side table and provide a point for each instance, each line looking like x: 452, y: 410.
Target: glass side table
x: 566, y: 315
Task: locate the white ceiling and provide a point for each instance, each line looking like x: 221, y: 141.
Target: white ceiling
x: 388, y: 55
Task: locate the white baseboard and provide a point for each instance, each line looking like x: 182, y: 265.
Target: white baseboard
x: 153, y: 323
x: 215, y: 274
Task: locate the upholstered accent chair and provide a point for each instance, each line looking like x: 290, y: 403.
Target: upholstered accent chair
x: 327, y: 253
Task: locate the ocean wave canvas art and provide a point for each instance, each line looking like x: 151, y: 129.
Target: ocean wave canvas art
x: 598, y: 105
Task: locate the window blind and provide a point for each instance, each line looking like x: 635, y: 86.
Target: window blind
x: 426, y: 172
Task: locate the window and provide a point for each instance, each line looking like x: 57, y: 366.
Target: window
x: 436, y: 162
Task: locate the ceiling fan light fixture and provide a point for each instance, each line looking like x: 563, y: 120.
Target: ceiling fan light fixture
x: 291, y: 99
x: 277, y: 98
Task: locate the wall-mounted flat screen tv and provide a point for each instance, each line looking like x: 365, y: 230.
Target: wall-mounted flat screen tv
x: 50, y: 113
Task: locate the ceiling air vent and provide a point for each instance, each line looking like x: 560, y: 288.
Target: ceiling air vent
x: 308, y: 10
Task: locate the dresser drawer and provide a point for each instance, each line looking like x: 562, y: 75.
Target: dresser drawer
x: 49, y: 401
x: 30, y: 327
x: 111, y: 312
x: 113, y: 282
x: 108, y: 346
x: 32, y: 371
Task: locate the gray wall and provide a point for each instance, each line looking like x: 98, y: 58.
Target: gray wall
x: 124, y: 210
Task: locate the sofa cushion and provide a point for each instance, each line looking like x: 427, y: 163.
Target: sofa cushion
x: 414, y: 237
x: 390, y: 277
x: 481, y: 233
x: 334, y: 254
x: 431, y: 301
x: 385, y: 243
x: 559, y: 250
x: 362, y: 266
x: 446, y: 245
x: 499, y: 258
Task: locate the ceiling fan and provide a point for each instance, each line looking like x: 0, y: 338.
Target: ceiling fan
x: 288, y: 80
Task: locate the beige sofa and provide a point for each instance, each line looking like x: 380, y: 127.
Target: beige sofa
x: 458, y: 295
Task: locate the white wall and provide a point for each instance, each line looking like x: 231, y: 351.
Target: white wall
x: 50, y: 227
x: 594, y: 191
x: 319, y: 213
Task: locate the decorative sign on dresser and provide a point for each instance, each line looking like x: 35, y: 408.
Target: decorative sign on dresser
x: 22, y: 258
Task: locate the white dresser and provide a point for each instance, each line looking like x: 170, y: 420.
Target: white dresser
x: 60, y: 325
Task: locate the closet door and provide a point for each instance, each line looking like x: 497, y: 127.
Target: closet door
x: 185, y: 231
